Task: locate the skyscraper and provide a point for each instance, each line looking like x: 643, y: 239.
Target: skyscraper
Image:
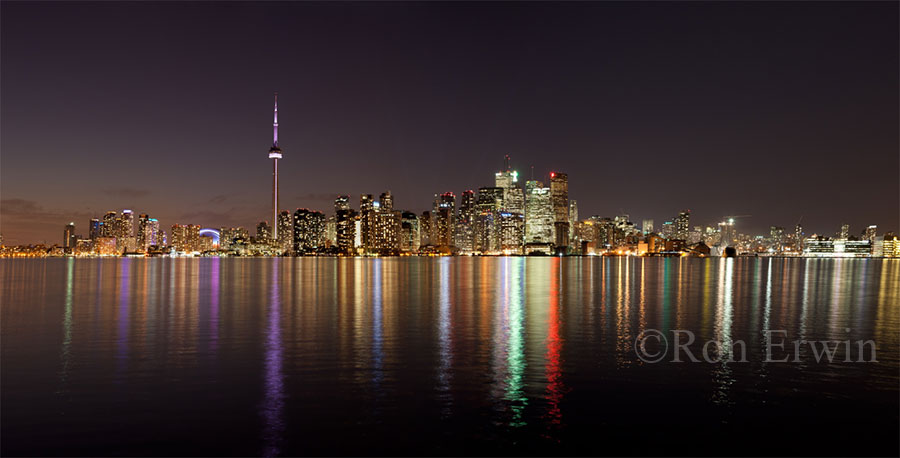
x: 345, y: 224
x: 96, y: 229
x: 285, y: 231
x: 275, y: 154
x: 309, y: 229
x: 367, y: 221
x: 465, y: 223
x: 69, y: 236
x: 109, y: 225
x: 683, y: 225
x: 647, y: 226
x: 263, y: 232
x: 539, y: 215
x: 559, y: 197
x: 508, y: 179
x: 444, y: 219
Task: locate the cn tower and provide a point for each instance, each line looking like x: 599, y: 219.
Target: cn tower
x: 275, y: 153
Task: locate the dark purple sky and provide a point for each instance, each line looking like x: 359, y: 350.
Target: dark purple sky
x: 776, y: 110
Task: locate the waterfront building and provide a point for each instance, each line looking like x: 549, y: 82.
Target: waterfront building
x: 309, y: 229
x: 186, y: 238
x: 409, y: 233
x: 285, y: 241
x: 647, y: 226
x: 95, y: 229
x: 263, y: 233
x: 682, y: 225
x: 559, y: 198
x: 109, y: 227
x: 539, y: 216
x: 69, y: 236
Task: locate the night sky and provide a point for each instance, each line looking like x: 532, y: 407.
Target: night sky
x: 775, y: 110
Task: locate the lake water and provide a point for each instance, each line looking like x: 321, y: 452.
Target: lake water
x: 313, y: 356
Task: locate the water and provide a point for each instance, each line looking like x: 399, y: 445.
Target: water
x: 311, y: 356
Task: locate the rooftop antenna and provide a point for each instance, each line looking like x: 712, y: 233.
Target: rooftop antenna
x: 506, y: 162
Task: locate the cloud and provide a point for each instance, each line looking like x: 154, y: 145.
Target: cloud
x: 124, y: 191
x: 217, y: 199
x: 26, y: 221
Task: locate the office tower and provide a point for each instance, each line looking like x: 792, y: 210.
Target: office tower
x: 573, y: 219
x: 345, y: 227
x: 330, y: 232
x: 161, y: 238
x: 263, y: 232
x: 69, y: 236
x: 109, y: 228
x: 285, y: 231
x: 367, y: 221
x: 512, y: 232
x: 776, y: 238
x: 798, y: 236
x: 465, y: 223
x: 682, y: 225
x: 559, y: 198
x: 489, y: 203
x: 726, y: 233
x: 386, y: 201
x: 341, y: 203
x: 230, y: 237
x: 647, y: 226
x: 125, y: 240
x: 444, y: 219
x: 143, y: 238
x: 96, y: 229
x: 539, y: 216
x: 845, y: 231
x: 426, y: 229
x: 870, y: 233
x: 186, y: 237
x: 508, y: 180
x: 668, y: 230
x: 309, y: 230
x: 409, y: 233
x: 387, y: 231
x: 275, y: 155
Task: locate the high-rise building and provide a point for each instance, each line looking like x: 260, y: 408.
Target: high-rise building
x: 345, y: 227
x: 309, y: 230
x: 96, y: 229
x: 426, y: 229
x: 110, y: 227
x: 512, y: 232
x: 367, y: 221
x: 465, y: 222
x: 559, y: 198
x: 870, y: 233
x: 444, y: 220
x: 573, y: 219
x: 409, y: 233
x: 539, y: 216
x: 776, y: 238
x: 647, y: 226
x: 143, y: 237
x: 683, y: 225
x: 285, y: 231
x: 186, y: 237
x: 69, y: 237
x: 125, y: 239
x: 341, y: 203
x: 845, y: 231
x: 508, y: 180
x: 263, y: 233
x: 275, y: 155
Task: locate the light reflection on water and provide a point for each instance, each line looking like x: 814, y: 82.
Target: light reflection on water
x: 496, y: 355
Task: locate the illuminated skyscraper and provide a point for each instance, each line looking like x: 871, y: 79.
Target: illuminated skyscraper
x: 263, y: 232
x: 539, y: 215
x: 683, y: 225
x: 345, y: 220
x: 409, y: 232
x: 465, y: 223
x: 69, y: 236
x: 367, y: 221
x: 444, y: 219
x: 647, y: 226
x: 96, y: 229
x: 513, y: 198
x: 186, y: 237
x: 309, y: 229
x: 845, y: 231
x: 275, y: 155
x: 559, y: 197
x: 870, y: 233
x: 110, y: 228
x: 285, y: 231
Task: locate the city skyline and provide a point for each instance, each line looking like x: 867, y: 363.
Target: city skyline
x: 738, y: 140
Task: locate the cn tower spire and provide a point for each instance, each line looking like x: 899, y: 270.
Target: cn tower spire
x: 275, y: 125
